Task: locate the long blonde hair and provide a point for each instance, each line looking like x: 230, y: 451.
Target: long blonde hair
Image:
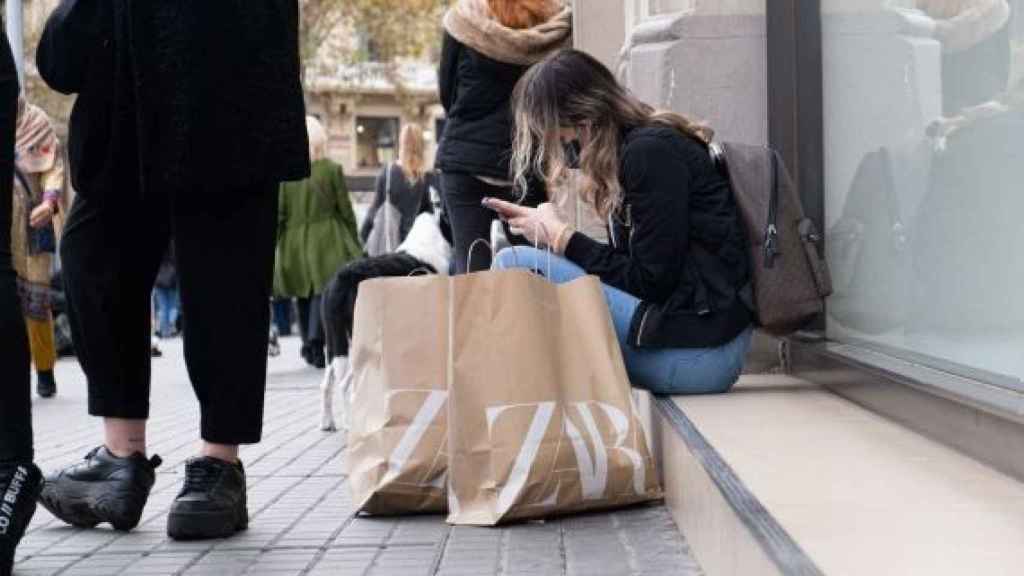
x: 572, y: 89
x: 411, y: 152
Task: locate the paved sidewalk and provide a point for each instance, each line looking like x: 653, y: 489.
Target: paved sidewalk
x: 302, y: 521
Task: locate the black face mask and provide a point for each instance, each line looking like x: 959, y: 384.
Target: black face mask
x: 573, y: 152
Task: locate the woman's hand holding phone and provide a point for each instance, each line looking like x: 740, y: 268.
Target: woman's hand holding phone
x: 540, y: 226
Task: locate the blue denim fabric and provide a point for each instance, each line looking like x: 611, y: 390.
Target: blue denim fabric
x: 166, y: 300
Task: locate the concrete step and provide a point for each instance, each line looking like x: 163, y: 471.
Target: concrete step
x: 782, y: 476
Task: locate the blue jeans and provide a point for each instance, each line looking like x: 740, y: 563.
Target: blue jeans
x: 660, y: 370
x: 166, y: 309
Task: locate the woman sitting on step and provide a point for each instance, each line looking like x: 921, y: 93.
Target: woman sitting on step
x: 678, y: 259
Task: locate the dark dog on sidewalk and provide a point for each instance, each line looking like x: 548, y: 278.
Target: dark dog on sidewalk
x: 424, y: 251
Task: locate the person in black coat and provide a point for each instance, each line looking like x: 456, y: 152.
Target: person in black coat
x: 20, y: 479
x: 488, y: 45
x: 677, y: 269
x: 189, y: 115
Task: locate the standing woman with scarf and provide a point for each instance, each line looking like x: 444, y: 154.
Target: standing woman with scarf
x: 488, y: 46
x: 38, y: 213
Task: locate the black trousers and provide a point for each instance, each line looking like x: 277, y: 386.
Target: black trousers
x: 224, y: 240
x: 311, y: 328
x: 471, y: 221
x: 15, y: 397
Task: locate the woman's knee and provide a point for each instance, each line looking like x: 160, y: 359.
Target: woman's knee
x: 709, y: 373
x: 516, y: 257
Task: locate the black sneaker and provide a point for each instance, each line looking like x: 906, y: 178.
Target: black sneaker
x: 103, y: 488
x: 19, y: 488
x: 46, y: 386
x: 211, y: 504
x: 316, y: 358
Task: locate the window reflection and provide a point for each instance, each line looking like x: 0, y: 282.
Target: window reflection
x: 924, y: 137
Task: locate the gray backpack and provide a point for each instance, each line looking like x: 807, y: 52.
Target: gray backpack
x: 790, y: 278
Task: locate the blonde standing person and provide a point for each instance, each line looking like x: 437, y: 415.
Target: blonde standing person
x: 39, y: 206
x: 409, y: 183
x: 316, y: 236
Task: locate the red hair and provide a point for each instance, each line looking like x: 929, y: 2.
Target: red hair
x: 523, y: 14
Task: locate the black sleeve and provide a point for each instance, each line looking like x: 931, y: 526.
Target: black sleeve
x: 378, y: 201
x: 74, y: 33
x: 450, y: 49
x: 657, y: 184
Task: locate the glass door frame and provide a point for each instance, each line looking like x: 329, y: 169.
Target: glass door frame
x: 795, y: 101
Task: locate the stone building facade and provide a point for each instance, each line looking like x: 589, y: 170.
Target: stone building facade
x: 363, y: 108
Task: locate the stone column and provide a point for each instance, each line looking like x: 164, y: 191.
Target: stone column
x: 706, y: 59
x: 599, y: 28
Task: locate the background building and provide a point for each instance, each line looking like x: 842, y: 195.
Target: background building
x: 364, y: 106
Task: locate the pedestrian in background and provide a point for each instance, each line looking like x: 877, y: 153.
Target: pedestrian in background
x: 37, y: 215
x: 404, y: 185
x: 165, y: 296
x: 316, y: 236
x: 488, y: 46
x: 20, y: 479
x: 189, y: 115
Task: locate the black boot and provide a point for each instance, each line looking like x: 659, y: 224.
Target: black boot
x: 103, y: 488
x: 46, y: 386
x: 211, y: 504
x: 317, y: 358
x: 19, y: 488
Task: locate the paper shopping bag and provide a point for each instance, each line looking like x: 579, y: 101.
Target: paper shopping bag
x: 541, y: 415
x: 395, y: 458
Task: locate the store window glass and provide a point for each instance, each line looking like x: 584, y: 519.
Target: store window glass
x: 376, y: 141
x: 667, y: 6
x: 924, y: 177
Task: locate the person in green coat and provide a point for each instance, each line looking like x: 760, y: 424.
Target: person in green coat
x: 317, y: 235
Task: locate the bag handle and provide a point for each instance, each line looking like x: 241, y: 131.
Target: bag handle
x: 387, y: 211
x: 472, y: 248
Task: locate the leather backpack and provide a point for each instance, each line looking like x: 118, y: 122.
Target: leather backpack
x: 790, y: 277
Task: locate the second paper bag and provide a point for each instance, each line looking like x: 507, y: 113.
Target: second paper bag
x: 395, y: 458
x: 541, y: 415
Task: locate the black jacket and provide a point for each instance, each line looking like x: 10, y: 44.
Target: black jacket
x: 411, y: 200
x: 189, y: 94
x: 476, y: 93
x: 678, y: 244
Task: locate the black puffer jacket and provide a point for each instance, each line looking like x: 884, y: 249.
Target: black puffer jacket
x: 677, y: 244
x: 191, y: 94
x: 475, y: 93
x: 481, y: 62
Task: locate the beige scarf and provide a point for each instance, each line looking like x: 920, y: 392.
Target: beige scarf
x: 473, y: 23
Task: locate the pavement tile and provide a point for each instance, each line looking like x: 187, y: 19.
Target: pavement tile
x: 302, y: 520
